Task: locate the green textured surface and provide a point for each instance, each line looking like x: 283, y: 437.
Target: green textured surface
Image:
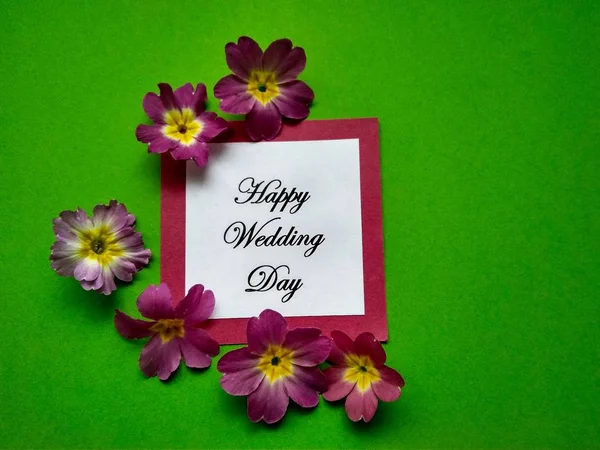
x: 490, y: 144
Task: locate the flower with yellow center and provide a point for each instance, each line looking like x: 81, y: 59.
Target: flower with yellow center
x: 264, y: 85
x: 277, y: 365
x: 97, y: 249
x: 360, y: 375
x: 174, y: 331
x: 181, y: 125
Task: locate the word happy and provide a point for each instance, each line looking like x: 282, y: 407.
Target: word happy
x: 271, y: 193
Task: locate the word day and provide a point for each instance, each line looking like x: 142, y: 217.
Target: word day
x: 264, y: 278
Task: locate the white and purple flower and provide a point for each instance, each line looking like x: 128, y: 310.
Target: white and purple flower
x: 97, y: 249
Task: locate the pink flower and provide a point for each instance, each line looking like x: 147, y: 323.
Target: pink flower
x: 264, y: 86
x: 97, y: 249
x: 277, y: 365
x: 181, y: 124
x: 174, y: 327
x: 360, y: 374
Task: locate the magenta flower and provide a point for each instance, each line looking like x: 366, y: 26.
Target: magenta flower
x: 360, y: 374
x: 264, y: 86
x: 277, y: 365
x: 95, y: 250
x: 181, y: 125
x: 174, y: 327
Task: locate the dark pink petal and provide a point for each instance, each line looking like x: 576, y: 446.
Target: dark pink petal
x: 244, y: 57
x: 155, y: 302
x: 212, y: 126
x: 200, y: 339
x: 361, y: 405
x: 391, y: 376
x: 152, y: 134
x: 154, y: 108
x: 87, y: 269
x: 338, y: 387
x: 366, y: 344
x: 309, y: 347
x: 269, y: 402
x: 287, y: 63
x: 199, y: 99
x: 293, y: 99
x: 230, y: 86
x: 192, y: 356
x: 342, y: 345
x: 167, y: 97
x: 290, y: 108
x: 198, y: 151
x: 270, y: 328
x: 301, y: 393
x: 160, y: 358
x: 311, y: 377
x: 385, y: 391
x: 196, y: 306
x: 238, y: 104
x: 131, y: 328
x: 263, y: 122
x: 298, y: 91
x: 241, y: 375
x: 115, y: 216
x: 184, y: 95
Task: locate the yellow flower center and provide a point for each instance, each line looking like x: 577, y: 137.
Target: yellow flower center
x: 99, y: 244
x: 361, y: 371
x: 276, y: 362
x: 263, y: 86
x: 181, y: 125
x: 168, y: 329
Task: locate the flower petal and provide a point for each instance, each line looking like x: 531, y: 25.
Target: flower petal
x: 385, y: 391
x: 338, y: 386
x: 154, y: 108
x: 192, y: 356
x: 198, y: 151
x: 167, y: 97
x: 199, y: 99
x: 293, y: 99
x: 269, y: 402
x: 342, y: 345
x: 184, y: 95
x: 243, y: 57
x: 212, y: 126
x: 366, y: 344
x: 105, y: 283
x: 263, y: 121
x: 287, y: 63
x: 87, y: 269
x: 310, y: 348
x: 114, y: 216
x: 200, y: 339
x: 70, y: 222
x: 153, y: 135
x: 155, y: 302
x: 122, y: 268
x: 268, y: 328
x: 241, y: 375
x: 131, y: 328
x: 391, y: 376
x: 303, y: 386
x: 196, y: 306
x: 361, y: 405
x: 160, y: 358
x: 234, y: 95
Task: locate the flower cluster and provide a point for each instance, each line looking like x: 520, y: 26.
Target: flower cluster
x: 278, y: 364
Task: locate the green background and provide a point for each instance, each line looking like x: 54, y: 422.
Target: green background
x: 489, y: 115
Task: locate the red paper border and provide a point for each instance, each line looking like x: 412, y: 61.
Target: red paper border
x: 233, y: 331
